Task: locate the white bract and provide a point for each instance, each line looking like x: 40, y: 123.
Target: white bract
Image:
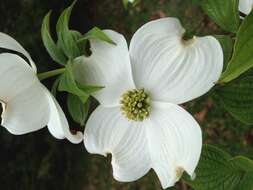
x: 245, y: 6
x: 27, y: 105
x: 139, y: 120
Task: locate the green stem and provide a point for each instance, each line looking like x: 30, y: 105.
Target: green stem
x: 52, y: 73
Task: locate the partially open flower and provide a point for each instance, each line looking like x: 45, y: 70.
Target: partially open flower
x: 27, y: 105
x: 139, y: 121
x: 245, y: 6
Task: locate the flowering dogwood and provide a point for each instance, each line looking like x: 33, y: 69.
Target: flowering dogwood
x: 27, y: 105
x: 245, y: 6
x: 139, y: 120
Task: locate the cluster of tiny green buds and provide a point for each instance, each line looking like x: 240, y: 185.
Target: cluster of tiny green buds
x: 135, y: 104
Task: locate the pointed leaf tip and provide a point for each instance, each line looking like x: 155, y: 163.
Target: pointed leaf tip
x: 97, y: 33
x: 242, y: 59
x: 56, y: 54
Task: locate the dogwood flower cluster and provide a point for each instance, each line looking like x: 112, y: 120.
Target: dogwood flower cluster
x: 27, y: 105
x: 139, y: 120
x: 245, y: 6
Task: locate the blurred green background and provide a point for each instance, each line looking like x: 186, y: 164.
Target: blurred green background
x: 37, y: 160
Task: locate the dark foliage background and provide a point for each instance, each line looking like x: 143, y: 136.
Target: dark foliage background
x: 37, y: 160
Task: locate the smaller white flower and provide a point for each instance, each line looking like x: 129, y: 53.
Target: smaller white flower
x: 139, y: 120
x: 245, y: 6
x: 27, y: 104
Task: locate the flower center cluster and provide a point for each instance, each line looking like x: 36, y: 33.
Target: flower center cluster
x: 135, y: 104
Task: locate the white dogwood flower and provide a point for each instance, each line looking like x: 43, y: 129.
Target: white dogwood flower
x: 245, y: 6
x: 139, y: 120
x: 27, y: 105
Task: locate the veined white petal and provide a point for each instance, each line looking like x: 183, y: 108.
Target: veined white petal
x: 10, y: 43
x: 27, y: 111
x: 25, y: 104
x: 108, y: 66
x: 107, y: 131
x: 16, y: 76
x: 58, y: 124
x: 169, y: 141
x: 28, y: 105
x: 245, y: 6
x: 171, y: 69
x: 175, y: 142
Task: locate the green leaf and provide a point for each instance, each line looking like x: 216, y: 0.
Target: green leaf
x: 242, y: 59
x: 67, y: 39
x: 76, y: 35
x: 247, y: 181
x: 68, y: 84
x: 82, y: 46
x: 55, y: 86
x: 227, y: 47
x: 224, y: 12
x: 217, y: 170
x: 243, y: 163
x: 56, y: 53
x: 237, y: 98
x: 77, y: 109
x: 96, y: 33
x: 89, y: 88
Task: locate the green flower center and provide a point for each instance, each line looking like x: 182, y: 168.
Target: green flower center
x: 135, y: 104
